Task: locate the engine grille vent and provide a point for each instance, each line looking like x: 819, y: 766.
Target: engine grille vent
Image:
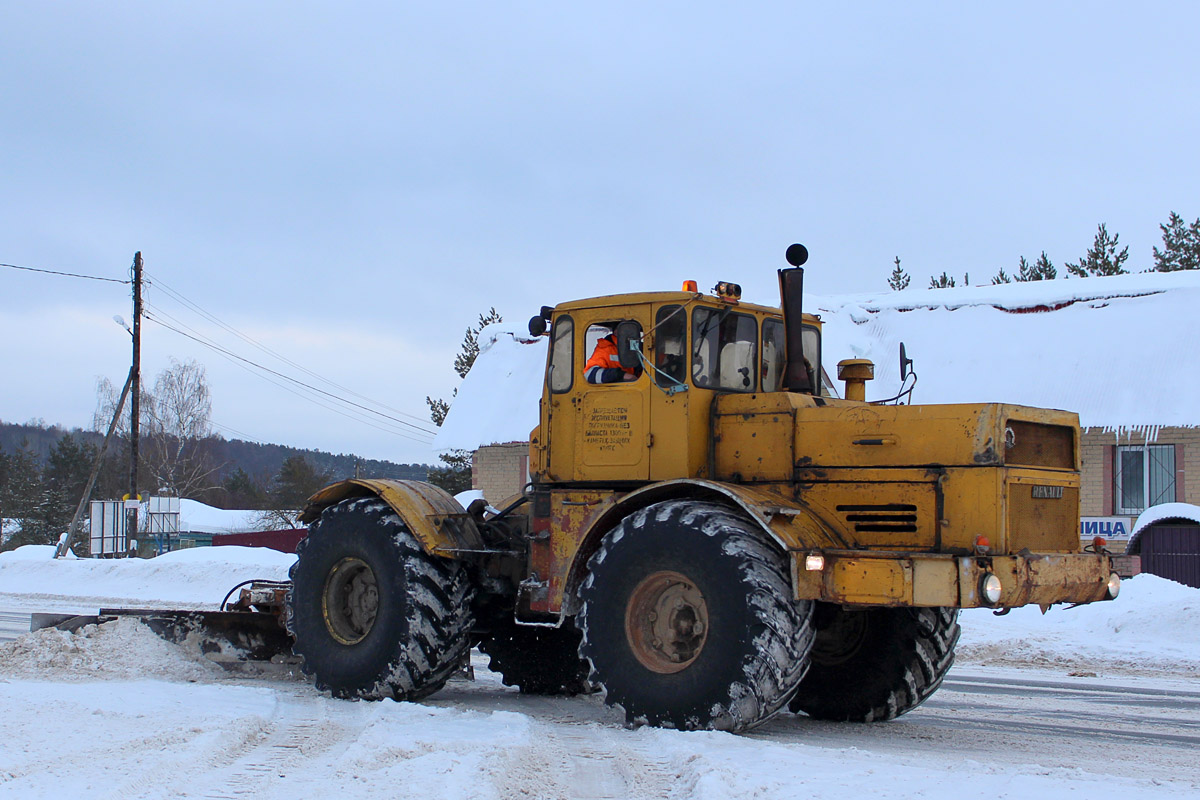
x: 885, y: 518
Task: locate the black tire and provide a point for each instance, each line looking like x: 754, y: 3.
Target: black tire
x: 537, y: 660
x: 871, y: 665
x: 407, y: 641
x: 693, y: 561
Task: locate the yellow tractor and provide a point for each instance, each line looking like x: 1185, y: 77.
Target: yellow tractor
x: 709, y: 535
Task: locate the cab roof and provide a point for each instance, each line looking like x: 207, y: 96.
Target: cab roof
x: 640, y: 298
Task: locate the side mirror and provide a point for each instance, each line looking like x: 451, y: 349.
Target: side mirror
x: 537, y: 326
x: 629, y: 343
x: 905, y: 363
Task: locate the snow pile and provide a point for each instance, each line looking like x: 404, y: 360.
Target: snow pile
x: 498, y: 400
x: 192, y: 578
x: 1149, y: 629
x: 103, y: 652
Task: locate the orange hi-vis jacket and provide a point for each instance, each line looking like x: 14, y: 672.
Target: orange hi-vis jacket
x: 605, y: 357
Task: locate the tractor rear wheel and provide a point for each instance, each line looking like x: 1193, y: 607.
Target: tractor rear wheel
x: 870, y: 665
x: 535, y: 659
x: 374, y: 615
x: 688, y: 619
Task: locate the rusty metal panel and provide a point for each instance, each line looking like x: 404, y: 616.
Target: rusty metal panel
x: 917, y: 579
x: 1033, y: 444
x: 754, y: 446
x: 1043, y: 513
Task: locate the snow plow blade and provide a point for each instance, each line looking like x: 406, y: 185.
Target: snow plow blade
x: 222, y: 636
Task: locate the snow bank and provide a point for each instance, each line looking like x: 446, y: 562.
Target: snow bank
x: 1149, y: 629
x: 192, y: 578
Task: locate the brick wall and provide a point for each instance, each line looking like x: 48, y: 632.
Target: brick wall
x: 500, y: 470
x: 1097, y: 444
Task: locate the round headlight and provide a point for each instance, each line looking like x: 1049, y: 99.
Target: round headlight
x: 989, y: 588
x: 1114, y: 586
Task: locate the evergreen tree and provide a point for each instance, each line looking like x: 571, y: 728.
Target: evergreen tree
x: 899, y: 279
x: 296, y: 481
x: 244, y: 492
x: 20, y: 490
x: 1181, y: 245
x: 1002, y: 276
x: 455, y: 477
x: 943, y: 281
x: 1042, y: 270
x: 1102, y: 258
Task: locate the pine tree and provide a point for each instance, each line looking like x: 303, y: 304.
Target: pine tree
x: 899, y: 279
x: 1102, y: 258
x: 1002, y: 276
x: 943, y: 281
x: 1181, y: 245
x: 455, y: 477
x: 1042, y: 270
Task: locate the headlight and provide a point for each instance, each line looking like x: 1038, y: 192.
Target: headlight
x: 989, y: 588
x: 1114, y: 586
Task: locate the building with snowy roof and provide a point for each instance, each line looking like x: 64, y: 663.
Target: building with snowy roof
x: 1117, y: 350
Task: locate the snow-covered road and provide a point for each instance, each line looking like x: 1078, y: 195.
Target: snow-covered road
x: 1096, y: 701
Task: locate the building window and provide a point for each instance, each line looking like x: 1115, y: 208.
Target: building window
x: 1143, y: 476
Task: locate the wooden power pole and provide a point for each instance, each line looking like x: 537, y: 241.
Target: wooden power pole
x: 131, y: 519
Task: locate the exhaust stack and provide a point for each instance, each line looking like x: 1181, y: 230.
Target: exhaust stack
x: 791, y: 294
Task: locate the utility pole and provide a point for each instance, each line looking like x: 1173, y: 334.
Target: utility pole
x: 131, y: 520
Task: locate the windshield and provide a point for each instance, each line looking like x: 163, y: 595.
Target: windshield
x: 724, y: 350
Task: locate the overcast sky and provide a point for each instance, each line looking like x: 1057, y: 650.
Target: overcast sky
x: 349, y: 185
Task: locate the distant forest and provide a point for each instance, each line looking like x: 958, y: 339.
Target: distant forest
x: 229, y: 459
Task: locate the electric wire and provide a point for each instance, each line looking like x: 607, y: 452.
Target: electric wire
x: 247, y: 364
x: 178, y: 297
x: 65, y: 274
x: 250, y: 367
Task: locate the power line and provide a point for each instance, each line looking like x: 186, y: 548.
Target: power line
x: 178, y: 297
x: 229, y: 354
x: 65, y: 274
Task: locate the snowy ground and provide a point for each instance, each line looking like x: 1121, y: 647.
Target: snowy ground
x: 1096, y: 700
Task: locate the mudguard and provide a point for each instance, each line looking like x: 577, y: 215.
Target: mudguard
x: 434, y: 517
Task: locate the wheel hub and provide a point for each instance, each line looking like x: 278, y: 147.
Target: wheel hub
x: 350, y: 600
x: 666, y: 622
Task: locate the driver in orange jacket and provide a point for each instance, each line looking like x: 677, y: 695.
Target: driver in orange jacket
x: 605, y: 366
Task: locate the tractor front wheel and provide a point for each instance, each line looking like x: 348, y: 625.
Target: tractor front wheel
x: 373, y: 615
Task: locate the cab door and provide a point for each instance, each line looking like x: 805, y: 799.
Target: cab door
x: 612, y: 432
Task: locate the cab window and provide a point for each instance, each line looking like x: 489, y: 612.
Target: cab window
x: 774, y: 355
x: 600, y: 344
x: 724, y: 350
x: 562, y: 343
x: 670, y: 346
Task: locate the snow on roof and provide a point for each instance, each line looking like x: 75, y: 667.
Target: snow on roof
x: 1164, y: 511
x: 198, y: 517
x: 1107, y: 348
x: 498, y: 400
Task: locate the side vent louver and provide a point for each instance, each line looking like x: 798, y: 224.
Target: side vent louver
x: 884, y: 518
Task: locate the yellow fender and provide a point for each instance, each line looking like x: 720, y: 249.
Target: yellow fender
x: 433, y: 517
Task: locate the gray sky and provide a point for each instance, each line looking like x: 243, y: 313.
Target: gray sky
x: 351, y: 184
